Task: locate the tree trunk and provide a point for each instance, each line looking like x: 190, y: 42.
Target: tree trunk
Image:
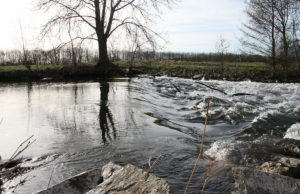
x: 74, y: 60
x: 286, y: 55
x: 131, y: 64
x: 222, y: 62
x: 103, y: 60
x: 273, y: 40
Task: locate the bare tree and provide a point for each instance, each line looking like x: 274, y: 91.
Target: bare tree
x: 271, y: 31
x: 284, y: 9
x: 222, y: 48
x: 295, y: 34
x: 260, y: 31
x: 25, y: 60
x: 73, y: 54
x: 113, y: 48
x: 2, y: 57
x: 136, y: 45
x: 104, y: 17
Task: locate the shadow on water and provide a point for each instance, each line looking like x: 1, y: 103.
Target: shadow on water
x: 106, y: 120
x: 29, y: 103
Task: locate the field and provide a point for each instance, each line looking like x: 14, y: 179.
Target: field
x: 256, y: 71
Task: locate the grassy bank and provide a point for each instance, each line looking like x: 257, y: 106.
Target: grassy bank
x: 255, y: 71
x: 55, y: 72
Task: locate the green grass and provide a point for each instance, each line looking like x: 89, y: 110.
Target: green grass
x: 14, y: 68
x: 186, y: 67
x: 256, y: 71
x: 45, y: 67
x: 211, y: 70
x: 166, y: 65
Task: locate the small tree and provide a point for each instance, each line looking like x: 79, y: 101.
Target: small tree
x: 260, y: 32
x: 296, y: 39
x: 284, y: 13
x: 73, y: 53
x: 222, y: 47
x: 25, y: 60
x: 2, y: 57
x: 136, y: 45
x: 269, y: 30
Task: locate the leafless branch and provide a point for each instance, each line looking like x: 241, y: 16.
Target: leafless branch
x: 22, y: 147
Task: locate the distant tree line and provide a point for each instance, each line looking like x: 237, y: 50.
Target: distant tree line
x: 43, y: 57
x: 77, y: 55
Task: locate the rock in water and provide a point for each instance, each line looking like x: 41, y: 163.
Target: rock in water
x: 274, y: 168
x: 115, y: 179
x: 249, y: 180
x: 80, y: 183
x: 198, y: 76
x: 286, y: 166
x: 129, y: 179
x: 288, y: 147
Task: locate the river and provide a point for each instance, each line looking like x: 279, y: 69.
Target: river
x: 80, y: 126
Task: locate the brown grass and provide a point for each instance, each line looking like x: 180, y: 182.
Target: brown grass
x: 8, y: 174
x: 201, y: 151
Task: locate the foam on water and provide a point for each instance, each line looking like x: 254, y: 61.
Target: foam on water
x: 254, y: 119
x: 219, y: 150
x: 293, y: 132
x: 264, y: 116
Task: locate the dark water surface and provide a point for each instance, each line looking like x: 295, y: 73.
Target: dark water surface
x: 80, y: 126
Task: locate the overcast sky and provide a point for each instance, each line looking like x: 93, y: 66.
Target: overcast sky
x: 191, y: 26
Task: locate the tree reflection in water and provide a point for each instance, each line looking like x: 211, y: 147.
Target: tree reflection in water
x: 105, y: 116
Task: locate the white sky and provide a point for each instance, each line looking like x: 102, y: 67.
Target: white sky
x: 191, y: 26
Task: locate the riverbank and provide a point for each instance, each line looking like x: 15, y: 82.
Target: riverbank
x: 254, y: 71
x: 55, y: 73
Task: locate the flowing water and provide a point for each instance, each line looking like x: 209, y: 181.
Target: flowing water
x: 80, y: 126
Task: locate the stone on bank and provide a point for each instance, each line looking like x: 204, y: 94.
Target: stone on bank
x: 113, y: 179
x: 78, y: 184
x: 129, y: 179
x: 249, y: 180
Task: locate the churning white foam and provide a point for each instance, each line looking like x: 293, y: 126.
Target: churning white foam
x: 293, y: 132
x: 219, y: 150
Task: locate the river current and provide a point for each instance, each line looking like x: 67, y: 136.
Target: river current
x: 80, y: 126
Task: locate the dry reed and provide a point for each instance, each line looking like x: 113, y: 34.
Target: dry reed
x: 20, y: 149
x: 201, y: 150
x: 154, y: 163
x: 10, y: 173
